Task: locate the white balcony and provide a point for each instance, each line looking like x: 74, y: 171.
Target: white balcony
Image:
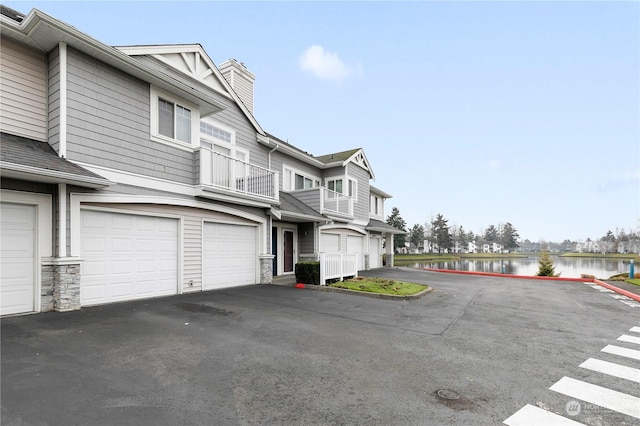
x: 221, y: 172
x: 334, y: 202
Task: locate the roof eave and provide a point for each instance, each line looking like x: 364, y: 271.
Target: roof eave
x: 28, y: 173
x: 25, y: 30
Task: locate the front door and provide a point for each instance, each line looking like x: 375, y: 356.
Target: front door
x: 288, y: 251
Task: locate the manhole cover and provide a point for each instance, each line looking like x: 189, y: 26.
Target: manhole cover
x: 448, y: 394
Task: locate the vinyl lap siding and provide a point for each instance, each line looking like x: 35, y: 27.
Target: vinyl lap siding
x: 23, y: 91
x: 232, y: 116
x: 360, y: 207
x: 109, y: 123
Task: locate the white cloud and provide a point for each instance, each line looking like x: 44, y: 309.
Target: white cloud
x: 325, y: 65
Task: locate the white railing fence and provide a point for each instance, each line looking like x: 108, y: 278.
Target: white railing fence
x: 338, y: 203
x: 222, y: 171
x: 337, y: 266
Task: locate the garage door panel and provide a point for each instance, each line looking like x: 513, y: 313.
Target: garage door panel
x: 127, y: 257
x: 17, y: 258
x: 356, y: 245
x: 230, y: 255
x: 330, y: 243
x: 374, y: 250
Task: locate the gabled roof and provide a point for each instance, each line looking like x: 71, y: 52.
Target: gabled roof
x: 28, y: 159
x: 342, y: 158
x: 44, y: 33
x: 193, y: 61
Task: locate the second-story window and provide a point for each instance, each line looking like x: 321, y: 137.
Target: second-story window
x: 351, y: 188
x: 174, y: 121
x: 293, y: 179
x: 335, y: 185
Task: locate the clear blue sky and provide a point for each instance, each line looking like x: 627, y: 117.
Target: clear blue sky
x: 485, y: 112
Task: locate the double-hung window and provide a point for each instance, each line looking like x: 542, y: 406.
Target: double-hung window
x: 295, y: 180
x: 172, y: 120
x: 337, y: 185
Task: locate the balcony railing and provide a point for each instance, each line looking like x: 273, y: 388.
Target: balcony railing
x: 224, y: 172
x: 334, y: 202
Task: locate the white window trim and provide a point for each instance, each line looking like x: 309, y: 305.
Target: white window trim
x: 156, y: 94
x: 289, y: 172
x: 231, y: 146
x: 355, y: 187
x: 345, y: 185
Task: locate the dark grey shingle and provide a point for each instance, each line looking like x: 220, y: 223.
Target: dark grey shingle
x: 40, y: 155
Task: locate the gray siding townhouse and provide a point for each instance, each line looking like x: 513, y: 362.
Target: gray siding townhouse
x: 137, y: 172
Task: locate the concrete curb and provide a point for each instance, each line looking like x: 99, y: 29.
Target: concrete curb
x: 629, y: 294
x: 363, y: 293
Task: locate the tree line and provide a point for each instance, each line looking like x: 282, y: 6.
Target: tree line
x: 442, y: 237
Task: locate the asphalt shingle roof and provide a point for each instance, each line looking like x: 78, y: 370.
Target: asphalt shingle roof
x: 39, y: 155
x: 289, y: 203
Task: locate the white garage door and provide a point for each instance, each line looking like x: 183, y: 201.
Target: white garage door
x: 229, y: 255
x: 17, y: 258
x: 127, y: 257
x: 374, y: 252
x: 355, y: 244
x: 329, y: 243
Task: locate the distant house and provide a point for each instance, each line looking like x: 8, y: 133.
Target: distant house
x: 141, y: 171
x: 472, y: 247
x: 492, y: 248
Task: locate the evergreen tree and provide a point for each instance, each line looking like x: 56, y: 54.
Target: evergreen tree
x: 395, y: 220
x: 491, y: 235
x: 546, y: 268
x: 440, y: 230
x: 509, y: 237
x: 417, y: 235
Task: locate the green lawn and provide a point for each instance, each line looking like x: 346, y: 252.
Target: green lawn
x: 381, y: 286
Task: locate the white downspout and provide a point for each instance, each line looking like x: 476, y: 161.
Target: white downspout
x: 62, y: 147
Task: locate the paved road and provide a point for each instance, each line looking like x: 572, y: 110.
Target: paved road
x: 279, y: 355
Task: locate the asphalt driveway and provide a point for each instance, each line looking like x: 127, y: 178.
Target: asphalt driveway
x: 269, y: 354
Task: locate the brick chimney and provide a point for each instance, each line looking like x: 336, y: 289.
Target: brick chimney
x: 240, y: 79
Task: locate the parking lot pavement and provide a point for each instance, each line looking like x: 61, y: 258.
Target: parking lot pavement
x: 279, y: 355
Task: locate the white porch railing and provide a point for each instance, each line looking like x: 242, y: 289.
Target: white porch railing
x: 335, y: 202
x: 221, y: 171
x: 337, y: 265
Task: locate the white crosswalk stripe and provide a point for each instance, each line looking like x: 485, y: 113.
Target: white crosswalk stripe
x: 530, y: 415
x: 586, y: 394
x: 594, y: 394
x: 618, y: 350
x: 629, y: 339
x: 612, y: 369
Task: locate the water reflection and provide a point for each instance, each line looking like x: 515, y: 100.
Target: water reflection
x: 568, y: 267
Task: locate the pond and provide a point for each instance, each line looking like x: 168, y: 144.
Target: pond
x: 567, y: 267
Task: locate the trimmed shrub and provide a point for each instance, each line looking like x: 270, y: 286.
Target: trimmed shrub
x: 308, y: 272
